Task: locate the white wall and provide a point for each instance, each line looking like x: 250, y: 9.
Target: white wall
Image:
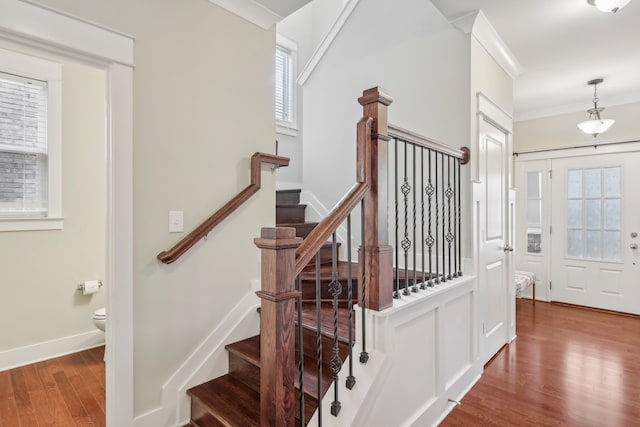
x: 561, y: 131
x: 203, y: 104
x: 408, y: 48
x: 297, y: 27
x: 307, y: 27
x: 41, y: 270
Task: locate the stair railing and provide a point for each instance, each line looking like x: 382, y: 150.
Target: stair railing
x: 284, y: 256
x: 426, y: 193
x: 217, y: 217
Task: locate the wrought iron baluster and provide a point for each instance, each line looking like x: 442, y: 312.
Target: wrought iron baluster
x: 406, y: 243
x: 459, y: 240
x: 429, y: 189
x: 414, y: 288
x: 423, y: 284
x: 455, y: 219
x: 351, y: 380
x: 364, y: 356
x: 300, y: 351
x: 335, y: 289
x: 450, y: 235
x: 437, y: 211
x: 444, y: 209
x: 319, y: 335
x: 396, y: 285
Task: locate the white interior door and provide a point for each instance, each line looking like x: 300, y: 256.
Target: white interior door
x: 595, y: 224
x: 494, y: 242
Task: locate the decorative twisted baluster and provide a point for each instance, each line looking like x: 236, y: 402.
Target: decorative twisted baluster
x: 459, y: 224
x: 335, y: 289
x: 364, y: 356
x: 351, y: 380
x: 414, y: 288
x: 437, y: 279
x: 406, y: 243
x: 449, y: 194
x: 423, y: 284
x: 430, y: 190
x: 444, y: 235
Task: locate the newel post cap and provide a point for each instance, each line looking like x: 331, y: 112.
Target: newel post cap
x: 375, y: 94
x: 277, y: 238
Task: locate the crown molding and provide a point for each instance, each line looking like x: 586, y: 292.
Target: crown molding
x: 251, y: 11
x: 257, y: 13
x: 476, y: 23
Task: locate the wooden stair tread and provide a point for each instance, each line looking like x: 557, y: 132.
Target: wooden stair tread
x: 249, y: 350
x: 231, y: 400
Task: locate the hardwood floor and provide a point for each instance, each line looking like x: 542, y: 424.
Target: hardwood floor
x: 66, y: 391
x: 569, y: 366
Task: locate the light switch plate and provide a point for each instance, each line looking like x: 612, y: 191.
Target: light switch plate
x: 176, y: 221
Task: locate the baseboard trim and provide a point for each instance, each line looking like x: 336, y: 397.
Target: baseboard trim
x: 33, y: 353
x: 207, y: 361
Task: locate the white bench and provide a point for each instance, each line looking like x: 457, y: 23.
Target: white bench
x: 524, y: 279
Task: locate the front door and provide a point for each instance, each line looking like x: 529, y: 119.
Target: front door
x: 494, y: 240
x: 595, y: 225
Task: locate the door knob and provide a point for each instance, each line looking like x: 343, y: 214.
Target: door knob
x: 633, y: 246
x: 508, y: 248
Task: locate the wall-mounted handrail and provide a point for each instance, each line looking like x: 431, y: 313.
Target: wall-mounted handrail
x: 203, y: 229
x: 406, y: 135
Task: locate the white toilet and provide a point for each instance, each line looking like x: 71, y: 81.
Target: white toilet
x: 100, y: 318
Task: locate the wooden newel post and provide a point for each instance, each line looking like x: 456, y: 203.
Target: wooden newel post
x: 378, y: 261
x: 277, y: 326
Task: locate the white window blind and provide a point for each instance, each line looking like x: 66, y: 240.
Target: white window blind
x: 23, y: 147
x: 284, y: 85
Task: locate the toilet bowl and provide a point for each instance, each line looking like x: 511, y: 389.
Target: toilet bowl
x: 100, y: 318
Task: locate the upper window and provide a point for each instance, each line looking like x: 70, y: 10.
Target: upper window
x: 30, y: 167
x: 285, y: 61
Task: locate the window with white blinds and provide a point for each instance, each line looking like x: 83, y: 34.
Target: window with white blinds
x: 283, y: 85
x: 285, y: 63
x: 30, y: 142
x: 23, y: 147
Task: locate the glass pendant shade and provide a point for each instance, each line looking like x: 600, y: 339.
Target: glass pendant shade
x: 596, y: 126
x: 610, y: 5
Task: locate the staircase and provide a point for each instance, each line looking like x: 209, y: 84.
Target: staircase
x: 234, y: 399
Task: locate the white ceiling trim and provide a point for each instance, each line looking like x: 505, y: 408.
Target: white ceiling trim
x: 477, y: 24
x: 327, y: 41
x: 251, y: 11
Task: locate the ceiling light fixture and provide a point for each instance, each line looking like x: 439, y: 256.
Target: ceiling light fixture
x: 595, y: 125
x: 609, y: 5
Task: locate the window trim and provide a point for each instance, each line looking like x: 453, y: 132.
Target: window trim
x: 289, y: 127
x: 41, y: 69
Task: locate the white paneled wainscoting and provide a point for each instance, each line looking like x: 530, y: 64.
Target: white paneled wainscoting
x: 423, y: 358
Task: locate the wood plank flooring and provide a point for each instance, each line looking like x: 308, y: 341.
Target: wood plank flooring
x: 569, y: 366
x: 66, y: 391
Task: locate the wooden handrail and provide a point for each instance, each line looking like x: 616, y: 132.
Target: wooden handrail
x: 314, y: 241
x: 406, y: 135
x: 323, y: 231
x: 203, y: 229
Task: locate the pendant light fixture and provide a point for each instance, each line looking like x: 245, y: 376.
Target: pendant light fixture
x: 609, y: 5
x: 595, y: 125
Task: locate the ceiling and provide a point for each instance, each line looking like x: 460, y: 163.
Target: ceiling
x: 562, y: 44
